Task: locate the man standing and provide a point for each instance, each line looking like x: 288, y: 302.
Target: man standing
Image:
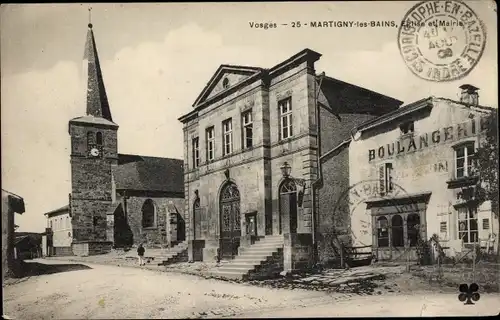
x: 140, y: 253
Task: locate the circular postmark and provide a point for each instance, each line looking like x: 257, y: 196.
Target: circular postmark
x: 441, y: 40
x: 357, y: 222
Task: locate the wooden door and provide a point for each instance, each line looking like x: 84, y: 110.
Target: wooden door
x: 230, y: 221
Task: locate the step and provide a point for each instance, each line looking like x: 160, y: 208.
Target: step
x: 259, y: 250
x: 229, y: 274
x: 240, y: 265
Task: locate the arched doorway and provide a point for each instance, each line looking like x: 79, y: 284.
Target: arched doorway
x: 230, y: 221
x: 288, y: 207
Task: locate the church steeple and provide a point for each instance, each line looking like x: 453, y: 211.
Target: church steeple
x: 97, y: 100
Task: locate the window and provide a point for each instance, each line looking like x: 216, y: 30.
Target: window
x: 227, y: 128
x: 247, y: 129
x: 413, y: 229
x: 225, y: 83
x: 383, y: 232
x: 210, y: 143
x: 463, y: 159
x: 442, y: 227
x: 486, y: 224
x: 196, y: 153
x: 467, y: 224
x: 96, y: 221
x: 50, y: 224
x: 148, y: 214
x: 98, y: 138
x: 407, y: 127
x: 385, y: 178
x: 90, y: 138
x: 285, y: 112
x: 397, y: 231
x: 67, y: 223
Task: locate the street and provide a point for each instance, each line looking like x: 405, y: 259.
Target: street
x: 106, y: 291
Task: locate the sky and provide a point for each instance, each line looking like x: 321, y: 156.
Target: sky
x: 157, y: 58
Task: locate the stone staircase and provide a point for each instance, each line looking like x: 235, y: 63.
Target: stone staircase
x: 162, y: 257
x: 262, y: 260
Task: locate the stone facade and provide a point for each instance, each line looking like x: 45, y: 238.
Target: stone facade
x: 163, y: 232
x: 256, y: 171
x: 91, y: 180
x: 422, y: 185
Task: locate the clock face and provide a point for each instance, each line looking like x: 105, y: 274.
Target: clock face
x: 94, y: 152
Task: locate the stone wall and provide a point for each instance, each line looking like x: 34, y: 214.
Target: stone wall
x: 91, y: 181
x: 153, y: 236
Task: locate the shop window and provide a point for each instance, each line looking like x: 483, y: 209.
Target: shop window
x: 467, y: 224
x: 413, y: 229
x: 397, y: 231
x: 383, y: 232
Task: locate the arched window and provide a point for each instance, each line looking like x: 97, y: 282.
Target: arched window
x: 225, y: 83
x: 288, y: 186
x: 148, y: 214
x: 397, y: 231
x: 413, y: 228
x: 90, y: 138
x: 98, y: 138
x: 383, y: 232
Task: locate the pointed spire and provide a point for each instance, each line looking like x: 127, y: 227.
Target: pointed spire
x: 97, y: 100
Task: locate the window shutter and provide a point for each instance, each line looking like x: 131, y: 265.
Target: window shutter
x: 381, y: 171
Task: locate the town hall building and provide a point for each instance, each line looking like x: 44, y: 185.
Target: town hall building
x: 251, y: 147
x: 116, y: 200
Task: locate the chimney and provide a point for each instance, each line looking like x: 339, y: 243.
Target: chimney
x: 469, y: 95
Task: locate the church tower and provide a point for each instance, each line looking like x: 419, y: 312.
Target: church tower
x: 94, y: 151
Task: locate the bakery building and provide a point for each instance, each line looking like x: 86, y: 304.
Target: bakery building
x: 251, y: 149
x: 407, y: 171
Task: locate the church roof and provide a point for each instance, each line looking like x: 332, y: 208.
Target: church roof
x: 97, y: 100
x: 141, y: 173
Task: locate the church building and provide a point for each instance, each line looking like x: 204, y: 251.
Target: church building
x: 116, y: 200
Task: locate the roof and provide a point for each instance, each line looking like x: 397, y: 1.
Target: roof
x: 141, y: 173
x: 15, y: 202
x: 246, y: 70
x: 356, y: 99
x: 391, y: 116
x: 94, y: 120
x: 414, y: 107
x: 97, y: 99
x: 58, y: 210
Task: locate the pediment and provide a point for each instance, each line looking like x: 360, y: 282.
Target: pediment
x: 225, y: 78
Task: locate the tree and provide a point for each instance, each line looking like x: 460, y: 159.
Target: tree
x: 485, y: 166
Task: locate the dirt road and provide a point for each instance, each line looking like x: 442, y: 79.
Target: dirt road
x: 79, y: 291
x: 119, y: 292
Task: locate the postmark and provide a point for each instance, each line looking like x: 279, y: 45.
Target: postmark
x: 347, y: 205
x: 441, y: 40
